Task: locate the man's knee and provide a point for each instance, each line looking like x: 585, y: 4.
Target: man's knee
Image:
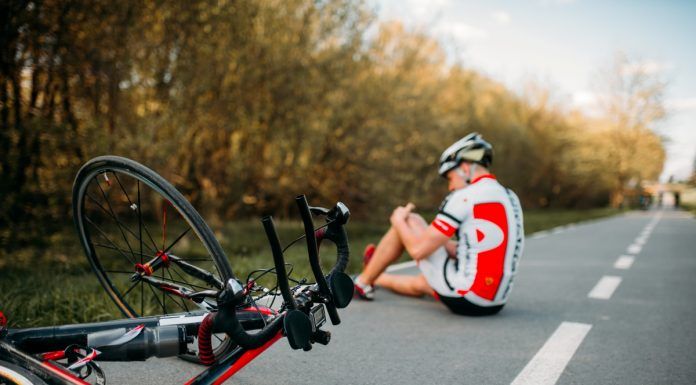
x: 417, y: 221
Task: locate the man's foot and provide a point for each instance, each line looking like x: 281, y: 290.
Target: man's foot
x: 368, y: 253
x: 364, y: 291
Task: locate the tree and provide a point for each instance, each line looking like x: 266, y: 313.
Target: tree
x: 631, y: 98
x: 692, y: 178
x: 242, y: 104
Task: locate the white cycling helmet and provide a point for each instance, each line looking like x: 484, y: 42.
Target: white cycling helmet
x: 471, y: 148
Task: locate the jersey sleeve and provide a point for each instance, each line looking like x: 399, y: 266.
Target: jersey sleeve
x: 451, y: 214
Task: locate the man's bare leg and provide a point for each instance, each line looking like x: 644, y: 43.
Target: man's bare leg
x: 388, y: 250
x: 415, y: 286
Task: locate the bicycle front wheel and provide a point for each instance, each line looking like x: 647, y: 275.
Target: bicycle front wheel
x: 132, y: 222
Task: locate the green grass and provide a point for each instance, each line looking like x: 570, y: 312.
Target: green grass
x: 538, y: 220
x: 49, y: 282
x: 688, y: 200
x: 690, y: 207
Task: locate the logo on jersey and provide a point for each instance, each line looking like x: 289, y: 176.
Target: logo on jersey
x: 491, y: 225
x: 489, y: 234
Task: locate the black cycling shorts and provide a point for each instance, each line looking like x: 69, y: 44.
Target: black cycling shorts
x: 460, y: 305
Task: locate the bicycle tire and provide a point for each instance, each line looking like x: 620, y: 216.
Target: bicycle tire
x: 11, y: 374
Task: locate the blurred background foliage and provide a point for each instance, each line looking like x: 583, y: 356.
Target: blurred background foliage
x: 244, y: 104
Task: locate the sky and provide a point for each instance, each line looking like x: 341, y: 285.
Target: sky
x: 565, y: 44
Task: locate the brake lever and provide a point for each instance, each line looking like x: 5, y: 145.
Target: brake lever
x: 339, y: 213
x: 319, y: 211
x: 199, y: 296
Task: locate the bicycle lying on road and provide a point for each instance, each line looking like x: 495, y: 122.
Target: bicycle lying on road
x: 176, y: 286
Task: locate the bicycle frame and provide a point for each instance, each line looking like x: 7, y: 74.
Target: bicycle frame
x: 303, y: 313
x: 20, y: 345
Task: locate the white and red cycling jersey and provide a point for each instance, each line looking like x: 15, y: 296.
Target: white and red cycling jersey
x: 487, y: 220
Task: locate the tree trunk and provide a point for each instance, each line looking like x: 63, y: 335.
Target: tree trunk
x: 4, y: 129
x: 24, y: 157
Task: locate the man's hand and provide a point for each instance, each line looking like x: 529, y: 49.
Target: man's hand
x: 401, y: 213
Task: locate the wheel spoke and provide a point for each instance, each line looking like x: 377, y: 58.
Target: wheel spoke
x: 113, y: 214
x: 108, y: 239
x: 141, y: 224
x: 118, y: 222
x: 119, y: 249
x: 164, y: 311
x: 177, y: 239
x: 147, y: 231
x: 164, y: 223
x: 130, y: 288
x: 164, y: 295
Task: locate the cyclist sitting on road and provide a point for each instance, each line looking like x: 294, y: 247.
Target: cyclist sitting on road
x: 472, y: 275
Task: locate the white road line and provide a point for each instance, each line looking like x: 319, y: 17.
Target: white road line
x: 605, y: 287
x: 401, y: 266
x: 548, y: 364
x: 624, y: 262
x: 634, y: 249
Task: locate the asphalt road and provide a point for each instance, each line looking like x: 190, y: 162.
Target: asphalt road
x: 560, y: 325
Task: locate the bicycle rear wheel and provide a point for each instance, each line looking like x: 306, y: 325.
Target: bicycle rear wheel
x: 130, y: 220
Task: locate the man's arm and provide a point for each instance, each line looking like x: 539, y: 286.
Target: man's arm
x: 451, y: 248
x: 419, y: 243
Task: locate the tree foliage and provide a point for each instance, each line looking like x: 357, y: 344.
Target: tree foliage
x: 243, y: 104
